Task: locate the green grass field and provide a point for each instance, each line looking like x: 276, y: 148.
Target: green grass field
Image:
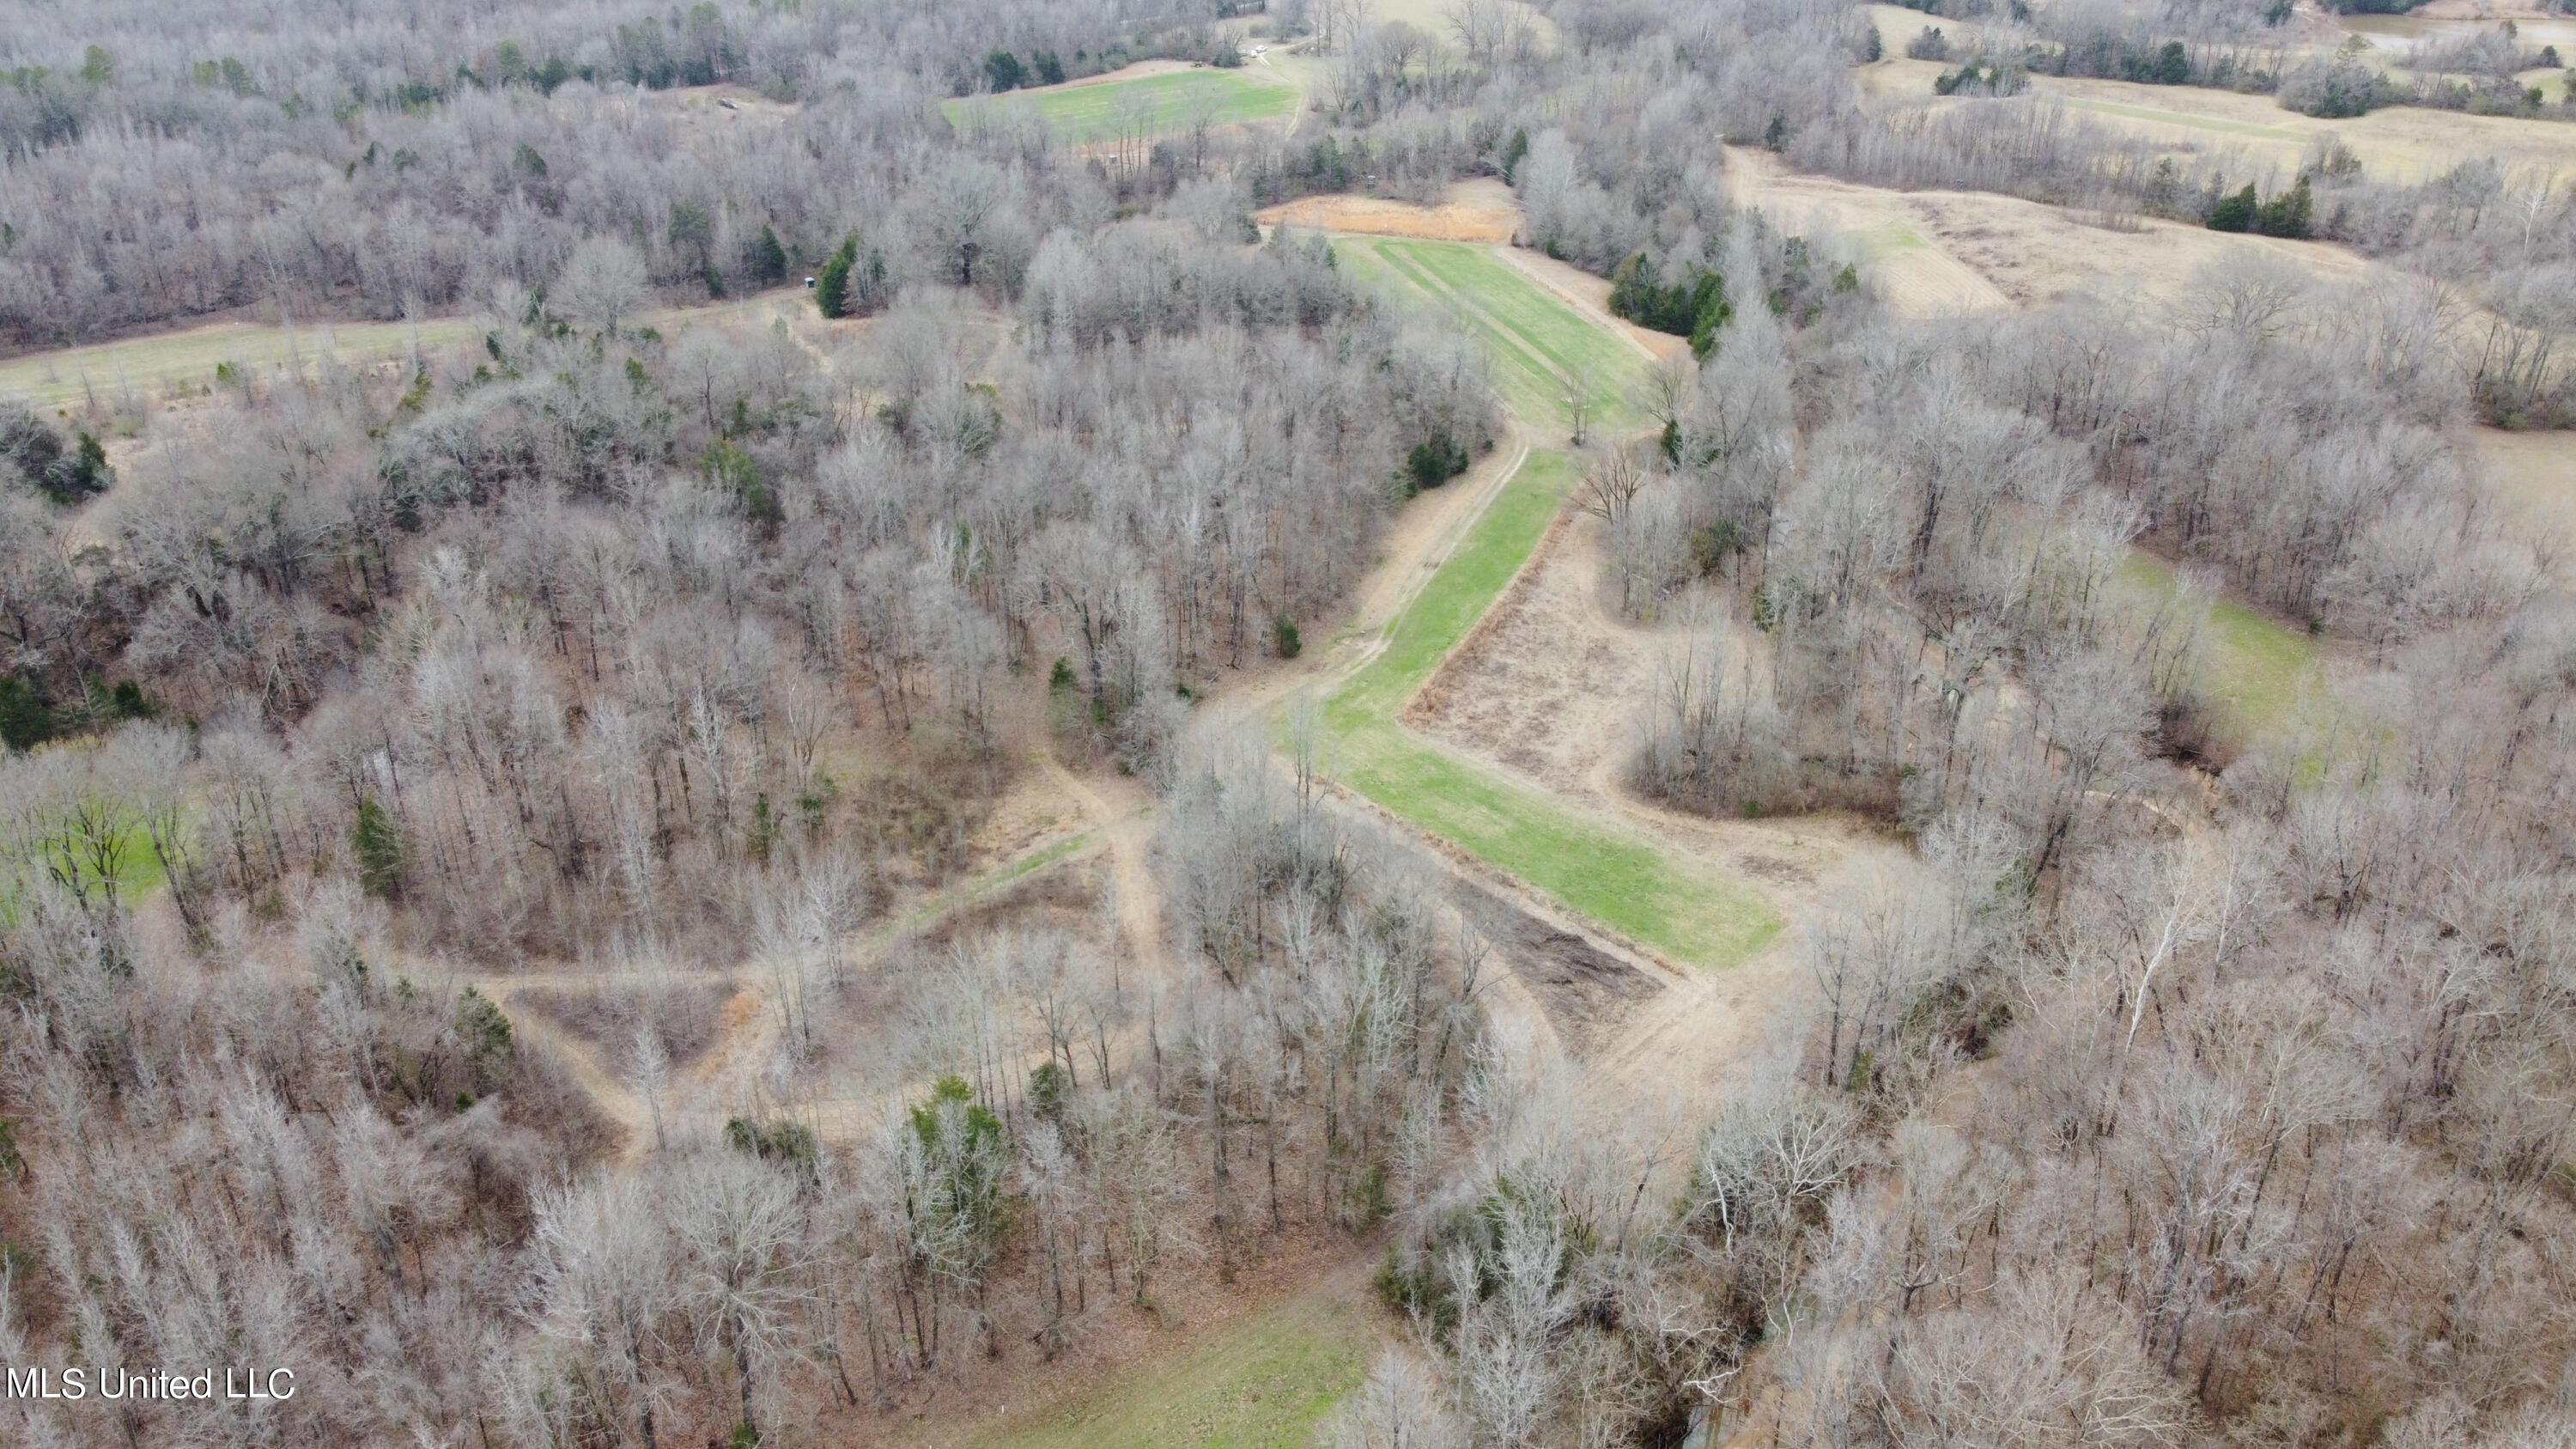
x: 1542, y: 348
x: 1595, y: 869
x: 141, y: 870
x: 1262, y: 1382
x: 1154, y: 105
x: 2256, y: 667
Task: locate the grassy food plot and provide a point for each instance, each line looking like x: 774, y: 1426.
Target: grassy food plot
x: 2255, y: 667
x: 1262, y: 1382
x: 1598, y: 870
x: 1152, y: 105
x: 1542, y: 349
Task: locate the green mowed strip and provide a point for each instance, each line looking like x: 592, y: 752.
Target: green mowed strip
x: 1262, y: 1382
x: 1594, y: 869
x: 1542, y: 348
x: 1154, y: 105
x: 2257, y: 668
x: 1465, y: 587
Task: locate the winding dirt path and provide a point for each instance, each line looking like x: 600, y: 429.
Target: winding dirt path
x: 1129, y: 833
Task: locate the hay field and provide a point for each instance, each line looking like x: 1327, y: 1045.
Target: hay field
x: 2395, y: 143
x: 1950, y: 253
x: 140, y: 371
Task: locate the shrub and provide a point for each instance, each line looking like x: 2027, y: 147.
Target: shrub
x: 2236, y: 212
x: 1434, y: 461
x: 2330, y: 88
x: 1694, y: 307
x: 65, y: 475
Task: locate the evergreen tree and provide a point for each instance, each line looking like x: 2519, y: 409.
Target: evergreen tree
x: 2287, y: 214
x: 2236, y: 213
x: 1434, y: 461
x: 1004, y: 71
x: 1709, y: 311
x: 1050, y: 70
x: 26, y: 719
x: 2173, y: 67
x: 1515, y: 153
x: 832, y: 284
x: 768, y: 258
x: 377, y: 840
x: 963, y: 1142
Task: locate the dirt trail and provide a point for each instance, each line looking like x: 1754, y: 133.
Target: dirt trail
x: 611, y: 1096
x: 1129, y: 833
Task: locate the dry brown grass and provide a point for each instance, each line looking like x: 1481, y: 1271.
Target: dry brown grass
x: 2397, y: 143
x: 1472, y: 212
x: 1947, y: 253
x: 2535, y: 474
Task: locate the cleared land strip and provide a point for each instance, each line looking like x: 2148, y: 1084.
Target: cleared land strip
x: 149, y: 368
x: 1597, y: 868
x: 1084, y: 112
x: 1542, y: 350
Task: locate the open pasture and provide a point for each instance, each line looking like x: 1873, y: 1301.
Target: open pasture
x: 139, y: 371
x: 2395, y: 143
x: 1949, y: 253
x: 1137, y: 102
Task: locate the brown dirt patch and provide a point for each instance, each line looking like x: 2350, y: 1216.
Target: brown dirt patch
x: 1546, y: 687
x: 1584, y: 990
x: 1449, y: 221
x: 1138, y: 71
x: 1552, y: 688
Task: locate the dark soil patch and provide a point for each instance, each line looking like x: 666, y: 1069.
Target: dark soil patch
x: 1584, y: 989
